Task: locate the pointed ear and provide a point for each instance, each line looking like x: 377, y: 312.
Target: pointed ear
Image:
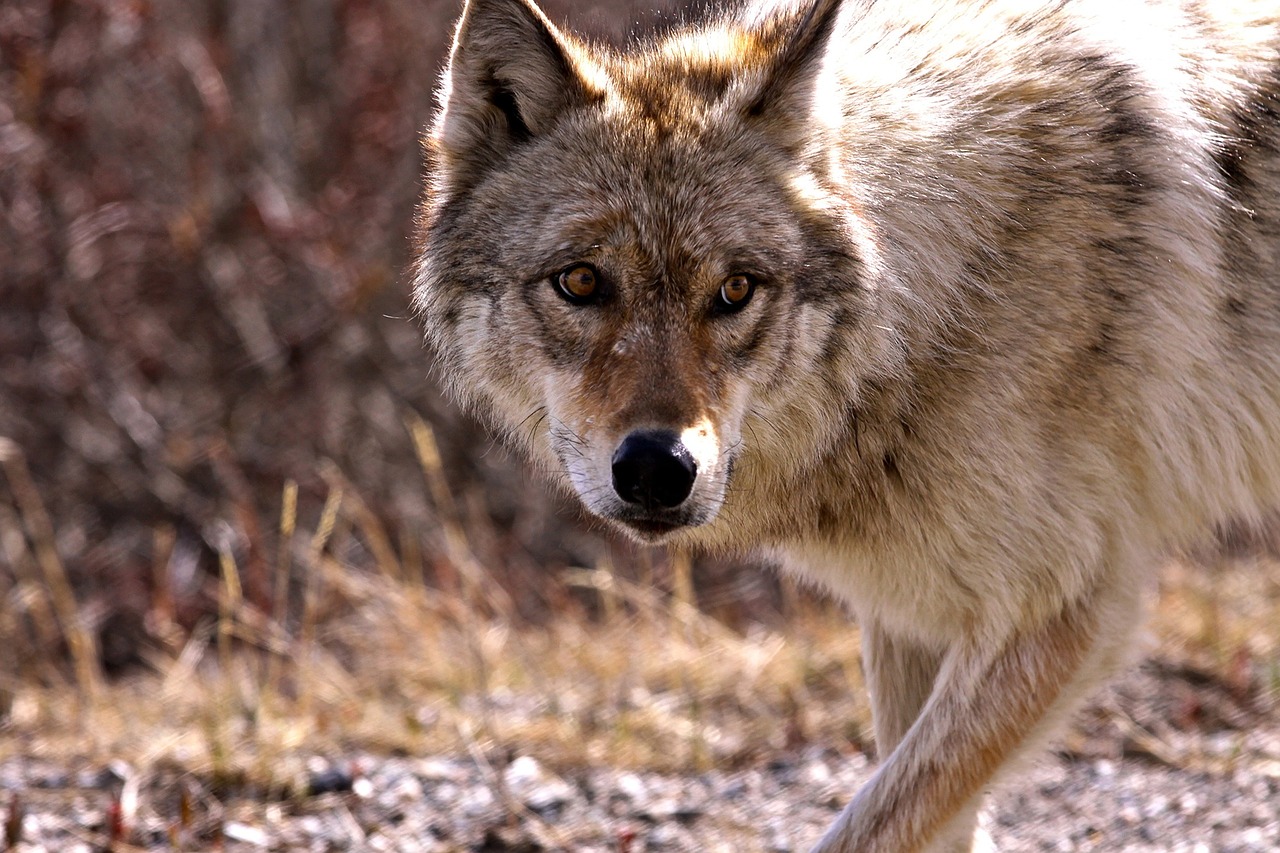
x: 511, y: 75
x: 787, y: 92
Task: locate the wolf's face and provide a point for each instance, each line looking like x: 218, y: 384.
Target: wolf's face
x: 627, y: 263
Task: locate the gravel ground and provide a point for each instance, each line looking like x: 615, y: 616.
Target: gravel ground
x: 1167, y: 761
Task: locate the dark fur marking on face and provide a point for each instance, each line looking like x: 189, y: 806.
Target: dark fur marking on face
x: 751, y: 345
x: 762, y: 326
x: 829, y: 274
x: 561, y: 349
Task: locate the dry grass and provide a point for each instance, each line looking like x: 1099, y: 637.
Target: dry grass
x: 367, y: 658
x: 403, y: 670
x: 1223, y: 618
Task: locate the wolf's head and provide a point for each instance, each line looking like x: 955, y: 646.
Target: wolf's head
x: 645, y: 268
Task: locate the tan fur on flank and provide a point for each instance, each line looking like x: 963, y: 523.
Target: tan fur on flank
x: 1014, y: 332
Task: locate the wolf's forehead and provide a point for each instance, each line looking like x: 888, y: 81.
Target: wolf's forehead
x: 672, y: 203
x: 624, y: 159
x: 683, y: 79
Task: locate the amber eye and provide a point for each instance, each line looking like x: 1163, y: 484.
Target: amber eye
x: 735, y: 293
x: 578, y: 284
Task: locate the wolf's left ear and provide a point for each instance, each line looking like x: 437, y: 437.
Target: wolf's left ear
x: 511, y: 75
x: 786, y: 93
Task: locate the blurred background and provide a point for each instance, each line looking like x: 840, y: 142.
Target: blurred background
x: 205, y: 217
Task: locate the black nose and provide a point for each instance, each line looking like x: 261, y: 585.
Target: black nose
x: 653, y: 469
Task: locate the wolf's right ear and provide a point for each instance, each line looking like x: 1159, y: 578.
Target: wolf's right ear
x: 511, y: 75
x: 787, y: 94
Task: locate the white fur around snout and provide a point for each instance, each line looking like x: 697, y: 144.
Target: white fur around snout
x: 588, y: 463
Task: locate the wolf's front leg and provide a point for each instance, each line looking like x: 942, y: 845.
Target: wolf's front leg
x: 989, y: 698
x: 900, y: 676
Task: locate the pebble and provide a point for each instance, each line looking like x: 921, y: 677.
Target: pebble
x: 246, y: 834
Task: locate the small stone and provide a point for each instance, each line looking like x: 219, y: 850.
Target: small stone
x: 524, y: 770
x: 329, y: 781
x: 542, y: 792
x: 246, y: 834
x: 476, y: 801
x: 818, y: 772
x: 1156, y: 806
x: 407, y: 789
x: 632, y: 787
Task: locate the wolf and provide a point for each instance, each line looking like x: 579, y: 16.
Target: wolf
x: 968, y: 311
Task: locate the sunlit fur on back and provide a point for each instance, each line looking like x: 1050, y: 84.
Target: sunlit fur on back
x: 1014, y: 332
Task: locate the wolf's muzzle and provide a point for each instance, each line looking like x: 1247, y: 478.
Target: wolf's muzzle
x: 653, y: 470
